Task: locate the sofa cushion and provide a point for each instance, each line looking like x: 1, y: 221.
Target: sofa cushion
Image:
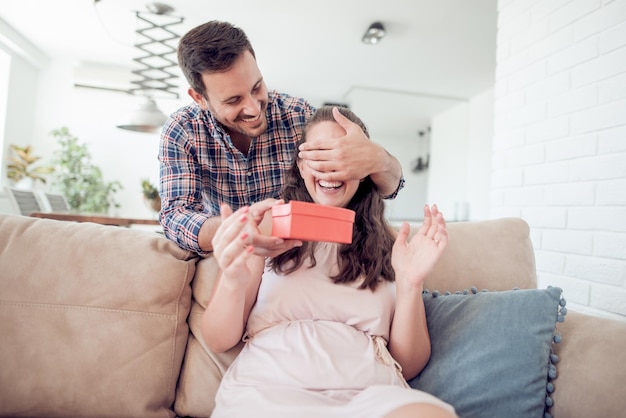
x: 491, y: 351
x: 92, y: 318
x: 203, y: 369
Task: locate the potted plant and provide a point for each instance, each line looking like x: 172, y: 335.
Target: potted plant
x: 151, y: 195
x: 78, y: 179
x: 21, y: 167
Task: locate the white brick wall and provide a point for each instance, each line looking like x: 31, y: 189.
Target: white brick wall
x: 559, y: 157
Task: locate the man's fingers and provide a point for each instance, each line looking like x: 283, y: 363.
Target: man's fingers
x: 317, y: 149
x: 343, y: 121
x: 265, y: 241
x: 271, y: 246
x: 257, y: 211
x: 322, y: 166
x: 225, y: 211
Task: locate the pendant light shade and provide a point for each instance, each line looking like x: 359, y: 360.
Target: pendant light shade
x: 144, y: 118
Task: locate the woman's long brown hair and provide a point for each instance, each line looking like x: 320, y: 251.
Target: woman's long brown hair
x: 369, y: 254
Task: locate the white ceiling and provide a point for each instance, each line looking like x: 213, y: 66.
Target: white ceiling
x: 436, y: 52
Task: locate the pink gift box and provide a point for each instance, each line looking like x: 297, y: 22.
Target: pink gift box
x: 312, y: 222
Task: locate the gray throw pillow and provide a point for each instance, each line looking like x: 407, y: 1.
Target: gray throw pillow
x: 491, y: 351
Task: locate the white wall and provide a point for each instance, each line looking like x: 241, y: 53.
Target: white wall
x: 479, y: 155
x: 25, y: 63
x: 5, y: 70
x: 560, y: 142
x: 460, y: 165
x: 447, y: 174
x: 407, y: 206
x: 21, y: 94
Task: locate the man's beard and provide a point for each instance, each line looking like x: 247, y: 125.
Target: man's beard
x: 240, y: 125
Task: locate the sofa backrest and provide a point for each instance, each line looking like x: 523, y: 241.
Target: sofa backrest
x: 495, y: 254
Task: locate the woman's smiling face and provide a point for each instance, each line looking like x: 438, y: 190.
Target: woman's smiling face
x: 335, y: 193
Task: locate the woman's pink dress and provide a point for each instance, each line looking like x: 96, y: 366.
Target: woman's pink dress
x: 316, y: 349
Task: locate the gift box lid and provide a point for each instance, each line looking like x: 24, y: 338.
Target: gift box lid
x: 295, y: 207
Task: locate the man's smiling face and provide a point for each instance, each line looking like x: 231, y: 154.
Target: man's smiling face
x: 238, y: 97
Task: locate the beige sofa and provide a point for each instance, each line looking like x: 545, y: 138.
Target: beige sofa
x: 103, y: 321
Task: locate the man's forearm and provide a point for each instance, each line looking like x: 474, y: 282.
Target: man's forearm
x: 388, y: 178
x: 207, y: 232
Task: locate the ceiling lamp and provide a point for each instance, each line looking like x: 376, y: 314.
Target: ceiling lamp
x: 374, y: 33
x: 156, y: 41
x: 146, y: 117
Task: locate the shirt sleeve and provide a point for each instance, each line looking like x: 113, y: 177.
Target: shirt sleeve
x: 182, y: 211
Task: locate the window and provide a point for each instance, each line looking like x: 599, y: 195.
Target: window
x: 5, y: 63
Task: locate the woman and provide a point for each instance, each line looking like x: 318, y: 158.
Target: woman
x: 331, y: 330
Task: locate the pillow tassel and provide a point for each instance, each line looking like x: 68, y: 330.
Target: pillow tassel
x: 552, y: 372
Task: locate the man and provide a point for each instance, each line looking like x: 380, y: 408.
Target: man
x: 234, y: 143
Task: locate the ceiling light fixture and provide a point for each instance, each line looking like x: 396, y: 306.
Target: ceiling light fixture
x: 155, y: 40
x: 146, y: 117
x: 374, y: 33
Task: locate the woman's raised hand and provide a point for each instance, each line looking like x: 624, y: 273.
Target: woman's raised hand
x: 413, y: 260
